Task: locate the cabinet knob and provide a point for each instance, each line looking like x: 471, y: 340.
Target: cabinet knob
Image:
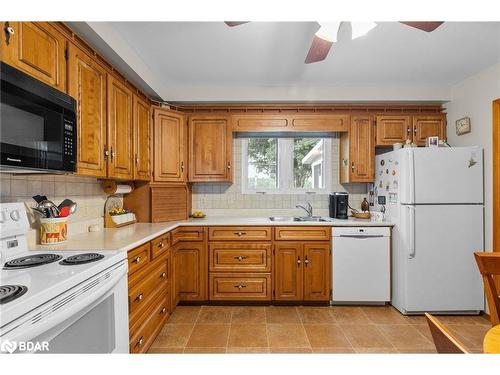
x: 182, y: 166
x: 306, y: 261
x: 352, y: 167
x: 9, y: 31
x: 240, y: 258
x: 298, y: 261
x: 164, y: 310
x: 137, y: 260
x: 139, y: 343
x: 163, y: 275
x: 136, y: 160
x: 228, y: 165
x: 240, y: 286
x: 239, y: 234
x: 139, y: 297
x: 160, y: 245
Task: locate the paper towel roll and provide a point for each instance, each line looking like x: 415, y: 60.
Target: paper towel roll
x: 112, y: 187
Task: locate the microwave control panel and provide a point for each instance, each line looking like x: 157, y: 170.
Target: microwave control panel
x: 69, y: 146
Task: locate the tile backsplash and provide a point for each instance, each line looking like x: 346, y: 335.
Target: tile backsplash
x: 86, y: 191
x: 224, y: 199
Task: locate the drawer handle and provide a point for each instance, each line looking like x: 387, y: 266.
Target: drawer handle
x: 137, y: 260
x: 163, y: 275
x: 240, y: 258
x: 239, y: 234
x: 139, y: 343
x: 163, y: 311
x: 240, y: 286
x: 160, y: 245
x: 139, y: 297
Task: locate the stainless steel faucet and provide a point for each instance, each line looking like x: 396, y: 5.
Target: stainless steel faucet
x: 308, y: 210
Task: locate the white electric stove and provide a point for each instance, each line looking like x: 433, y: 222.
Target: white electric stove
x: 69, y: 301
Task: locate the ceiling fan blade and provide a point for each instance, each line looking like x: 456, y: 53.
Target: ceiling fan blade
x: 235, y: 23
x: 424, y: 26
x: 319, y: 50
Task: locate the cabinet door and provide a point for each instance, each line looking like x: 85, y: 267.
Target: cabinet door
x: 191, y: 268
x: 87, y: 84
x: 392, y: 129
x: 288, y: 263
x: 362, y: 149
x: 428, y: 126
x: 210, y: 145
x: 37, y: 48
x: 119, y: 130
x: 141, y: 131
x: 169, y: 146
x: 317, y: 271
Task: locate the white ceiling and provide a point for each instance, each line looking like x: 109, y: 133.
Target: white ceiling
x: 209, y: 61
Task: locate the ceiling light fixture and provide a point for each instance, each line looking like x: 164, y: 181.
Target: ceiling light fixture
x: 360, y: 29
x: 328, y: 31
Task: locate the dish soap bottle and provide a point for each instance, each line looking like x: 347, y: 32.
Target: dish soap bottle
x: 365, y: 206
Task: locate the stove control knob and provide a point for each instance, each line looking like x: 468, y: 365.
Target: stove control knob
x: 14, y: 215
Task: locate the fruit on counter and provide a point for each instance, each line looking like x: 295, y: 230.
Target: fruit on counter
x: 117, y: 211
x: 198, y: 214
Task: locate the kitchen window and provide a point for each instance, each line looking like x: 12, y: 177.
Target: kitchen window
x: 286, y: 165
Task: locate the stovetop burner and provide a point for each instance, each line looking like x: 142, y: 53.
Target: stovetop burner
x: 81, y: 259
x: 31, y: 261
x: 11, y: 292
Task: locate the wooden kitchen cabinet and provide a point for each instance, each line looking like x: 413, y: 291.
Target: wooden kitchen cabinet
x: 120, y: 102
x: 87, y: 84
x: 141, y: 137
x: 190, y: 270
x: 357, y: 151
x: 302, y: 271
x: 428, y: 126
x: 392, y: 129
x: 210, y: 149
x: 38, y: 49
x: 170, y: 144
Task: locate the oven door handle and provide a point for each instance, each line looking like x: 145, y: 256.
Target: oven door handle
x: 29, y: 329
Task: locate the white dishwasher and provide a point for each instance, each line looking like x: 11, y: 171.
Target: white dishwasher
x: 361, y: 264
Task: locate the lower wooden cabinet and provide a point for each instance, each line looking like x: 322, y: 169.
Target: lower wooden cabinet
x: 240, y: 286
x: 190, y: 270
x: 302, y: 271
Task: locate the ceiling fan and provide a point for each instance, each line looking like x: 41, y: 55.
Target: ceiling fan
x: 327, y: 35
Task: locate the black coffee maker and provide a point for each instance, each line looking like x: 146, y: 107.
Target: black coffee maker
x: 339, y: 203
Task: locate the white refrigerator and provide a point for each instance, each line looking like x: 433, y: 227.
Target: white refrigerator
x: 435, y: 198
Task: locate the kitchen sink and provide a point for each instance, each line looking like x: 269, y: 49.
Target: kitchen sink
x: 297, y: 218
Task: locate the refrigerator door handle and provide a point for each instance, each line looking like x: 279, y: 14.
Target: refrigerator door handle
x: 411, y: 231
x: 411, y: 182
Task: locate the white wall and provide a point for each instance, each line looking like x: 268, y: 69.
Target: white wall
x: 473, y: 97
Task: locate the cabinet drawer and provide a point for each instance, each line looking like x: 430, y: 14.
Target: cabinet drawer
x: 302, y: 233
x: 141, y: 293
x: 138, y: 258
x: 240, y: 257
x: 160, y: 245
x: 187, y: 234
x: 240, y: 286
x: 239, y: 233
x: 143, y: 333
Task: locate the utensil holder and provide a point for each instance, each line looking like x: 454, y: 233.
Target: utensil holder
x: 53, y: 230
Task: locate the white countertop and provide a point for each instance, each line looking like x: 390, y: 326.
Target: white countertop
x: 129, y: 237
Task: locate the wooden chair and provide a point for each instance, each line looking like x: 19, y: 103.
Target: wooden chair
x: 444, y: 340
x: 489, y: 266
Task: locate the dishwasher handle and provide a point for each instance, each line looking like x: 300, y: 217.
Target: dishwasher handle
x: 361, y: 235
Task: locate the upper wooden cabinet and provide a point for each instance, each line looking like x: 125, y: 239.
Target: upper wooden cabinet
x: 290, y: 122
x: 428, y: 126
x: 393, y: 129
x: 141, y: 134
x: 357, y: 151
x: 119, y: 130
x: 170, y: 159
x: 210, y: 149
x: 37, y: 48
x: 87, y: 84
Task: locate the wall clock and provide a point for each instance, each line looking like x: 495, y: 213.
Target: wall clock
x: 463, y: 125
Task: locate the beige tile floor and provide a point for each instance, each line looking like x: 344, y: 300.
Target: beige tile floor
x: 302, y: 329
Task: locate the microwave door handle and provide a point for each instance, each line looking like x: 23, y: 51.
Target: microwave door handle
x: 56, y: 318
x: 411, y: 232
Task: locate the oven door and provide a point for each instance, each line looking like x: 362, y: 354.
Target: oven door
x: 37, y: 127
x: 90, y: 318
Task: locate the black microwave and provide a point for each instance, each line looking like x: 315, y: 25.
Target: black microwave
x: 37, y: 125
